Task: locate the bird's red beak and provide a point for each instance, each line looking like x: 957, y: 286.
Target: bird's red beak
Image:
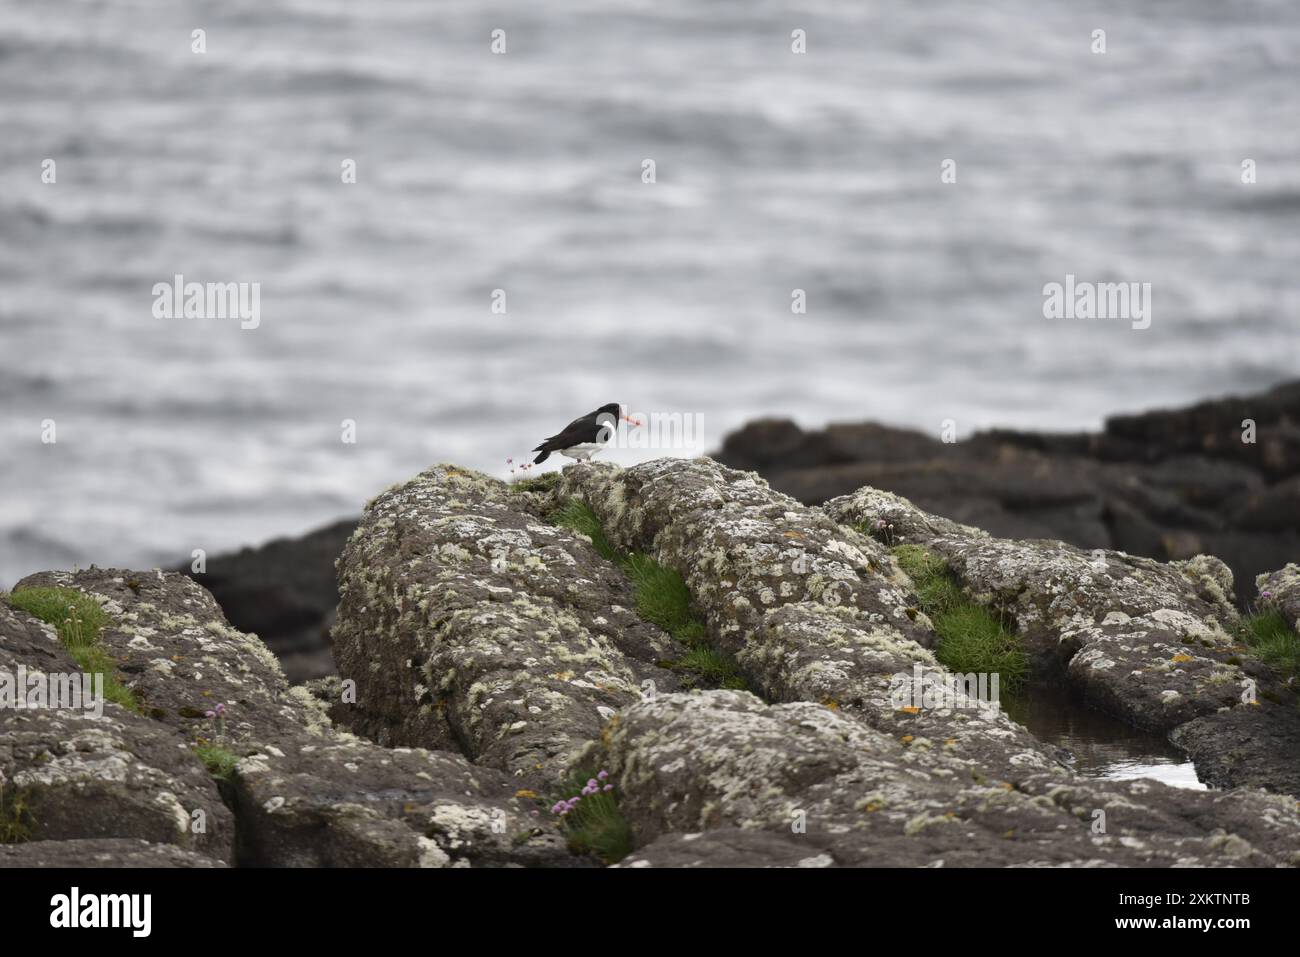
x: 627, y: 418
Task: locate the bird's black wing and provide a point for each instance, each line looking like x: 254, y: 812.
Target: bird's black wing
x: 576, y: 434
x: 583, y: 429
x: 580, y: 424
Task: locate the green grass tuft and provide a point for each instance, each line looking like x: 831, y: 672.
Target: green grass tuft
x: 712, y: 667
x: 15, y: 817
x: 76, y: 616
x: 661, y: 594
x: 596, y: 825
x: 79, y: 621
x: 577, y: 515
x: 662, y: 598
x: 1268, y: 634
x: 541, y: 483
x: 219, y: 761
x: 936, y: 589
x: 971, y: 638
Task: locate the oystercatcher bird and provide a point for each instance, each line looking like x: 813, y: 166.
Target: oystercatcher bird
x: 582, y: 438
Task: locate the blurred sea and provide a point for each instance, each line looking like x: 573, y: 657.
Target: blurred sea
x: 523, y: 172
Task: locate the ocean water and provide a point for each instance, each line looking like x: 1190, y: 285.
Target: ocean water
x: 522, y: 172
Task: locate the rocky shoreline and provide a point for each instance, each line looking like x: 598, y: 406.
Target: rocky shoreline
x: 488, y: 656
x: 1166, y: 485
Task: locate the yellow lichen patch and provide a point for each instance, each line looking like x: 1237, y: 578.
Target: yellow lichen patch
x: 792, y: 534
x: 910, y: 709
x: 951, y: 742
x: 607, y: 732
x: 1181, y: 658
x: 525, y: 793
x: 907, y: 739
x: 831, y: 703
x: 563, y: 675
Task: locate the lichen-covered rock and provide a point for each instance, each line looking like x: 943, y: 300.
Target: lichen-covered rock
x: 1165, y: 484
x: 181, y: 657
x: 485, y: 653
x: 71, y: 774
x: 467, y: 621
x: 1281, y: 590
x: 811, y: 610
x: 1149, y: 642
x: 403, y: 807
x: 850, y: 795
x: 743, y: 549
x: 817, y: 654
x: 111, y: 852
x: 284, y: 592
x: 1242, y: 748
x: 304, y: 793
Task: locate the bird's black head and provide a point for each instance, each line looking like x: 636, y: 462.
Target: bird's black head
x: 611, y: 414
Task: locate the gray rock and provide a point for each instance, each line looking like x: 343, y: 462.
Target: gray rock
x: 467, y: 621
x: 812, y: 610
x: 304, y: 793
x: 1241, y: 748
x: 491, y: 653
x: 1283, y: 590
x: 101, y: 852
x: 85, y: 776
x: 743, y: 549
x: 284, y: 592
x: 181, y: 657
x: 1150, y: 643
x: 852, y: 796
x: 1165, y: 484
x: 342, y: 802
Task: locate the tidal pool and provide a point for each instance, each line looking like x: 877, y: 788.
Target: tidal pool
x: 1097, y: 744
